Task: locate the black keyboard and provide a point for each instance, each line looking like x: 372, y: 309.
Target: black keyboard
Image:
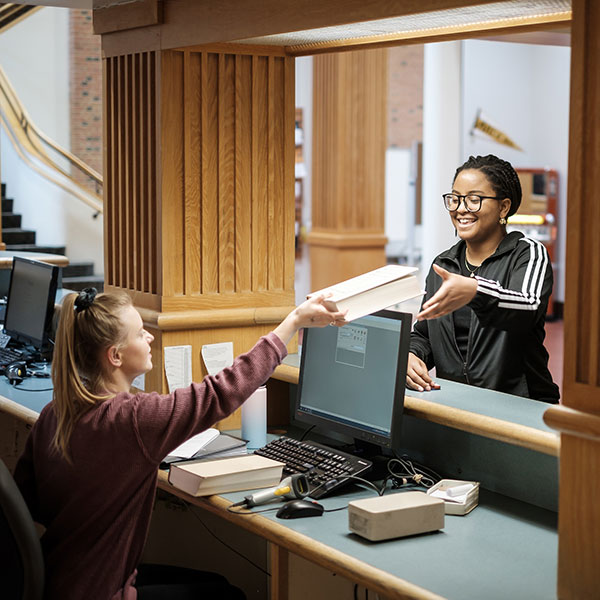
x: 325, y: 468
x: 9, y: 355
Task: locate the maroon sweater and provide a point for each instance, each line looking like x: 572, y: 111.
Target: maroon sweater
x: 97, y: 511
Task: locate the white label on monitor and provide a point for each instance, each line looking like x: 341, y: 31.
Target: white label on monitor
x: 351, y: 346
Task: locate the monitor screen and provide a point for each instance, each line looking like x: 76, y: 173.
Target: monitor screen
x: 352, y: 378
x: 30, y: 303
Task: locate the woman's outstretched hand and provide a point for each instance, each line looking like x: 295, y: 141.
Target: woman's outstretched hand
x: 455, y: 292
x: 317, y: 311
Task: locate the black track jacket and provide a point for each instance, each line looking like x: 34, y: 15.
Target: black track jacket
x: 506, y: 339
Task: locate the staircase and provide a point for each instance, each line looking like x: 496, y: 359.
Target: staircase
x: 75, y: 276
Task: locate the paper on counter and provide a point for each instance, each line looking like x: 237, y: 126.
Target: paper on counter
x: 217, y: 356
x: 178, y: 366
x: 195, y: 443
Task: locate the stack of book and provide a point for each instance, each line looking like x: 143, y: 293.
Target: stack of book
x: 204, y: 478
x: 208, y: 445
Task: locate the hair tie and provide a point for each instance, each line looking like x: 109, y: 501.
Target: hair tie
x: 85, y: 299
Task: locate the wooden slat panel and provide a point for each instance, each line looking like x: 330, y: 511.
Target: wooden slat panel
x: 209, y: 150
x: 144, y: 191
x: 243, y: 174
x: 277, y: 192
x: 136, y: 280
x: 192, y: 165
x: 129, y: 174
x: 109, y: 170
x: 226, y: 173
x: 348, y: 165
x: 226, y: 203
x: 173, y: 241
x: 349, y: 136
x: 260, y: 232
x: 154, y: 233
x: 120, y: 250
x: 289, y: 215
x: 581, y: 382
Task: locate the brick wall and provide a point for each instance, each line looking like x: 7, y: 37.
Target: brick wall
x: 405, y: 96
x: 86, y: 91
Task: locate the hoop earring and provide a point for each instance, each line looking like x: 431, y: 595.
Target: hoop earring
x: 502, y: 221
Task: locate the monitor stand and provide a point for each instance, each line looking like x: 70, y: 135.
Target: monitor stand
x: 372, y: 452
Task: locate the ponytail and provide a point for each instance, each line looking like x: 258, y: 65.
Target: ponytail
x: 77, y: 369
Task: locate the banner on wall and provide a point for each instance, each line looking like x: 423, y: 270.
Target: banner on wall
x: 484, y: 127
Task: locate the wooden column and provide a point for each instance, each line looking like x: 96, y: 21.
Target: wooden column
x: 199, y: 194
x: 579, y: 417
x: 349, y: 142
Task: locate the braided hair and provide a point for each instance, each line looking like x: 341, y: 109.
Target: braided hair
x: 501, y: 175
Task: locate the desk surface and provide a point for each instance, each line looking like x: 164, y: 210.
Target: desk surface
x: 503, y: 549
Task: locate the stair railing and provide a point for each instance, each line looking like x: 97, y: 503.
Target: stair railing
x: 11, y: 14
x: 31, y: 145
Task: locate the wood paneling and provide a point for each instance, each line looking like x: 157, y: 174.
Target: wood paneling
x: 349, y: 141
x: 581, y: 381
x: 222, y: 222
x: 578, y: 419
x: 130, y: 173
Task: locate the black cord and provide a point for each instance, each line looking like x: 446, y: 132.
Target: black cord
x: 231, y: 508
x: 190, y: 508
x: 305, y: 433
x: 403, y: 471
x: 16, y: 386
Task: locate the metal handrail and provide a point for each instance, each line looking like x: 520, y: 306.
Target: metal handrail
x: 30, y: 142
x: 11, y: 14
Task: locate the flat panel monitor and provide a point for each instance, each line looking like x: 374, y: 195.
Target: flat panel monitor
x: 352, y: 379
x: 30, y: 303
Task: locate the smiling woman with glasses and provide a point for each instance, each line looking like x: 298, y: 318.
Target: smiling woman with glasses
x: 483, y: 315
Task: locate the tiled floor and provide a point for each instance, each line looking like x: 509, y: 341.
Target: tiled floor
x: 554, y: 329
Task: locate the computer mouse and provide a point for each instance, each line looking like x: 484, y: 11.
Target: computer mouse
x: 295, y: 509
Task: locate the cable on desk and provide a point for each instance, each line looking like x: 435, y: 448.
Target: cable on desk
x: 190, y: 508
x: 231, y: 508
x: 403, y: 471
x: 18, y: 387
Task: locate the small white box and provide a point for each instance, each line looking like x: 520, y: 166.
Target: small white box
x: 456, y: 504
x: 395, y: 515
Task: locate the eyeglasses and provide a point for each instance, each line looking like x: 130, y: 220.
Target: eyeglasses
x: 472, y: 202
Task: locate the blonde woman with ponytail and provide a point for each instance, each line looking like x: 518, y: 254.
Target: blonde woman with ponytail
x: 89, y: 468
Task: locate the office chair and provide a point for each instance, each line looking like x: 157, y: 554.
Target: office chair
x: 21, y: 560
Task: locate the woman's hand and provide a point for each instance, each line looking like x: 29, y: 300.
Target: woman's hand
x: 417, y: 375
x: 455, y: 292
x: 317, y: 311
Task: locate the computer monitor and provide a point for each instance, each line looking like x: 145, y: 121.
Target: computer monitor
x: 352, y: 379
x: 30, y: 303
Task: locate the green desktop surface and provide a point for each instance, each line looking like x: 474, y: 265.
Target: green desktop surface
x: 502, y: 549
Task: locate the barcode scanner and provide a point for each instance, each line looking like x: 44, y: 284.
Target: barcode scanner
x: 294, y: 486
